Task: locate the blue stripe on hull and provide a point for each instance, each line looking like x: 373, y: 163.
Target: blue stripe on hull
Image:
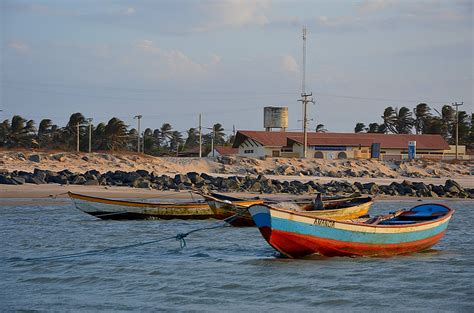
x: 353, y: 236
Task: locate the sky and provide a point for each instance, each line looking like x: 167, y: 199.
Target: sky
x: 171, y: 60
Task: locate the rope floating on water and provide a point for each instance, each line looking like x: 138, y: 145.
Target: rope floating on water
x: 179, y: 237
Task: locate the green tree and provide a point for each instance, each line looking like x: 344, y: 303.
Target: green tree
x: 192, y: 139
x: 98, y: 137
x: 376, y: 128
x: 20, y: 132
x: 422, y: 117
x: 176, y: 141
x: 360, y: 127
x: 115, y: 134
x: 165, y: 134
x: 69, y: 136
x: 45, y: 134
x: 219, y: 135
x: 398, y: 121
x: 320, y: 128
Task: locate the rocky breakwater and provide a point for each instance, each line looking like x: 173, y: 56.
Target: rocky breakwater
x: 256, y: 184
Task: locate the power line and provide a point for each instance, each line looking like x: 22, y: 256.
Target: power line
x: 255, y: 94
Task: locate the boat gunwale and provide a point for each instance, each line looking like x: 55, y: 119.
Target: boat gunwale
x: 447, y: 216
x: 135, y: 203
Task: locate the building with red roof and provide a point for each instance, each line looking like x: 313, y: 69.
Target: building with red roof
x: 338, y: 145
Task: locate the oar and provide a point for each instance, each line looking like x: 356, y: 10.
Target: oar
x: 378, y: 219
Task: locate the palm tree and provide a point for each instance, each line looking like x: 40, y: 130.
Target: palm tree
x: 192, y: 139
x: 360, y: 127
x: 20, y: 132
x: 44, y: 136
x: 166, y: 131
x: 398, y: 121
x: 70, y: 131
x: 376, y: 128
x: 422, y: 116
x: 320, y: 128
x: 219, y: 135
x: 115, y: 134
x: 98, y: 137
x: 176, y: 141
x: 4, y: 132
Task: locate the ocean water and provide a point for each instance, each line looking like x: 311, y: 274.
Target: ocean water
x: 224, y: 269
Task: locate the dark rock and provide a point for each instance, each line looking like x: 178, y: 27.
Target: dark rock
x: 143, y: 173
x: 371, y: 188
x: 131, y: 177
x: 34, y: 158
x: 359, y: 186
x: 40, y: 174
x: 19, y: 180
x: 438, y: 189
x: 66, y: 173
x: 256, y: 187
x: 141, y: 183
x: 79, y: 180
x: 181, y: 179
x: 231, y: 183
x: 85, y: 158
x: 58, y: 179
x: 92, y: 182
x: 7, y: 180
x: 452, y: 187
x: 103, y: 181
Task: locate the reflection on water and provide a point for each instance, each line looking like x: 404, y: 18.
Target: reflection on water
x: 231, y: 269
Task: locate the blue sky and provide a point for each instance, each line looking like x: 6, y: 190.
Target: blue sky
x: 171, y: 60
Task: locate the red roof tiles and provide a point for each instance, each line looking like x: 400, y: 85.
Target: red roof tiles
x: 387, y: 141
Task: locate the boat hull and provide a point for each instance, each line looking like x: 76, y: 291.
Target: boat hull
x: 121, y: 209
x: 298, y: 236
x: 224, y: 210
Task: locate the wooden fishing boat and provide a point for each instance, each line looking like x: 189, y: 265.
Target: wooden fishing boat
x: 224, y: 207
x: 123, y: 209
x: 298, y: 234
x: 339, y: 208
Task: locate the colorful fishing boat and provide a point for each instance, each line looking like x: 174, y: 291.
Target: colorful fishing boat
x: 338, y: 208
x: 298, y: 234
x: 124, y: 209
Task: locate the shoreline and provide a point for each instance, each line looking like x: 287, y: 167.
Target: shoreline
x: 57, y: 191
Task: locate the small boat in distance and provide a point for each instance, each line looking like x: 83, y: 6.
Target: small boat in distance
x: 104, y: 208
x: 297, y: 234
x: 337, y: 208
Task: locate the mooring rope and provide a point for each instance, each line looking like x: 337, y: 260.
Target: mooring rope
x: 179, y: 237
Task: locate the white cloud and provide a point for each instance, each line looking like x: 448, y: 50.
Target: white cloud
x: 172, y: 63
x: 289, y: 64
x: 129, y: 11
x: 369, y: 6
x: 19, y: 47
x: 232, y: 13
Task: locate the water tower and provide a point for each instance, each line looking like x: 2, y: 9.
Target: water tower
x: 275, y: 117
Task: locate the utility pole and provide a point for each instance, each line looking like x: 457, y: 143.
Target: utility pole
x: 200, y: 136
x: 303, y: 81
x: 143, y: 143
x: 138, y: 142
x: 306, y: 98
x: 457, y: 126
x: 90, y: 133
x: 77, y: 139
x: 212, y: 142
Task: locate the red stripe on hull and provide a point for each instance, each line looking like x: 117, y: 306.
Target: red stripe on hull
x: 296, y: 245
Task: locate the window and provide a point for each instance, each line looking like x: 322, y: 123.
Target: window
x: 318, y: 155
x: 248, y: 151
x: 342, y: 155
